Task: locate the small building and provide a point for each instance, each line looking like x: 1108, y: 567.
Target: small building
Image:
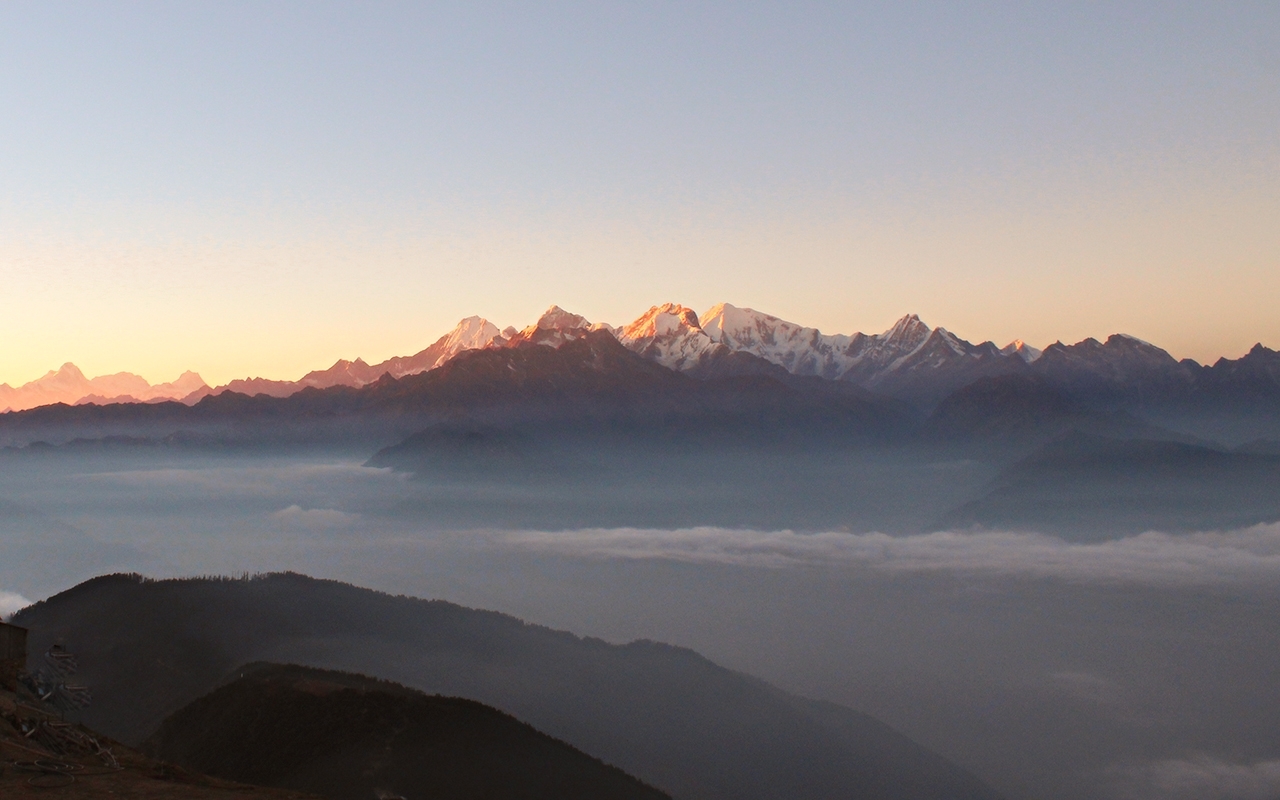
x: 13, y: 655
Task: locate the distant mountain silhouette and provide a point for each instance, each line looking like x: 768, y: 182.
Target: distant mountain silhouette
x: 1023, y: 411
x: 1251, y: 378
x: 1232, y: 400
x: 1123, y: 371
x: 664, y: 714
x: 347, y: 736
x: 1092, y: 487
x: 468, y: 334
x: 69, y: 385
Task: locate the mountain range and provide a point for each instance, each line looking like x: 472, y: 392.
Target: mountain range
x: 731, y: 373
x: 686, y: 370
x: 67, y: 384
x: 910, y: 361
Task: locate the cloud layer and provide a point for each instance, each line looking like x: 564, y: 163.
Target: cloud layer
x: 1233, y: 557
x: 295, y: 516
x: 11, y: 602
x: 1200, y: 778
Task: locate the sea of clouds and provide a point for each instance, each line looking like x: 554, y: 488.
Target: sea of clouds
x: 1248, y: 556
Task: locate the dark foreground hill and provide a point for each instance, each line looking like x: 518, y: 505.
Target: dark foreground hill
x: 1093, y: 487
x: 664, y: 714
x: 43, y: 756
x: 348, y: 737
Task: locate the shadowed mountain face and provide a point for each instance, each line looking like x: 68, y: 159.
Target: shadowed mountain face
x: 663, y: 714
x: 1232, y: 400
x: 1020, y: 412
x: 1122, y: 370
x: 348, y: 737
x: 1093, y: 487
x: 592, y: 377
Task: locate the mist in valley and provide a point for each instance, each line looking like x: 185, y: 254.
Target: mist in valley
x: 1130, y: 664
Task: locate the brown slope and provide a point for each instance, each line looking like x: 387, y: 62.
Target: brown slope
x: 41, y: 756
x: 348, y: 736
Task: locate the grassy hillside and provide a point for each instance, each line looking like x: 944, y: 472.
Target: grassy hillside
x: 347, y: 736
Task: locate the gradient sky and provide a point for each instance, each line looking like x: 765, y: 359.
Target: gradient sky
x: 260, y: 188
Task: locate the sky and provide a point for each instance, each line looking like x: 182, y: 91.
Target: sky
x: 262, y: 188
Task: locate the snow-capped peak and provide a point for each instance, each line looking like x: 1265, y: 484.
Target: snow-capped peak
x: 470, y: 334
x: 744, y: 328
x: 556, y: 318
x: 555, y: 327
x: 906, y: 334
x: 800, y: 350
x: 670, y: 335
x: 1022, y: 349
x: 661, y: 321
x: 951, y: 341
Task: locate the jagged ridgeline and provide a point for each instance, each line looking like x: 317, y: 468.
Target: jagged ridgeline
x: 910, y: 358
x: 909, y: 366
x: 663, y: 714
